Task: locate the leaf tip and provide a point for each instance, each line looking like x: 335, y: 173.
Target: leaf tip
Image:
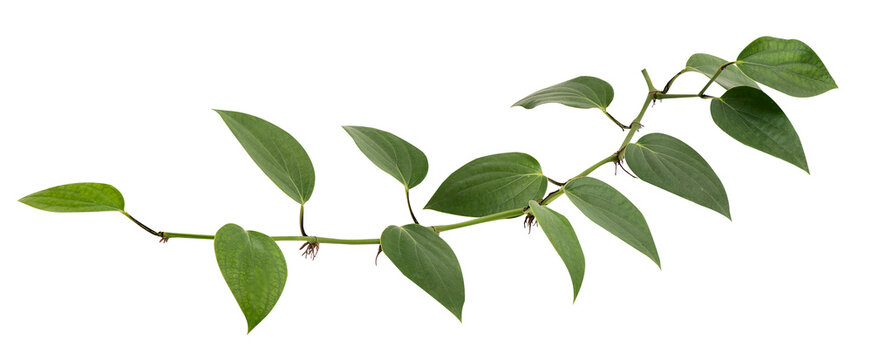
x: 522, y: 104
x: 458, y: 313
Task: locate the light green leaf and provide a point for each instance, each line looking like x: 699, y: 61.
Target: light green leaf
x: 489, y: 185
x: 583, y: 92
x: 708, y: 65
x: 253, y: 267
x: 672, y: 165
x: 78, y: 197
x: 423, y: 257
x: 395, y: 156
x: 276, y: 152
x: 608, y: 208
x: 789, y: 66
x: 750, y: 116
x: 559, y: 231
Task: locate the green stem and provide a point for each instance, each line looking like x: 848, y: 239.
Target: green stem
x: 612, y: 118
x: 715, y: 76
x: 648, y: 80
x: 409, y: 204
x: 635, y: 125
x: 661, y: 96
x: 319, y: 239
x: 146, y: 228
x: 170, y: 235
x: 498, y: 216
x: 302, y: 229
x: 669, y: 84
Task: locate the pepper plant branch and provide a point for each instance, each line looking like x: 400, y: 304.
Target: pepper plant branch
x: 253, y: 265
x: 617, y: 156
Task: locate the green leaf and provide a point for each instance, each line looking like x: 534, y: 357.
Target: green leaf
x: 608, y: 208
x: 750, y: 116
x: 583, y: 92
x: 253, y: 267
x: 395, y: 156
x: 559, y: 231
x: 708, y: 65
x: 670, y: 164
x: 78, y: 197
x: 789, y: 66
x: 427, y: 260
x: 489, y: 185
x: 276, y: 152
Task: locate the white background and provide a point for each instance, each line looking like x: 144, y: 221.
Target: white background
x: 121, y: 94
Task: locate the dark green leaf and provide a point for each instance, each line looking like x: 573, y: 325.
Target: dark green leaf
x: 489, y: 185
x: 559, y: 231
x: 583, y: 92
x: 78, y: 197
x: 253, y: 267
x: 670, y: 164
x: 750, y: 116
x: 708, y: 65
x: 390, y: 153
x: 276, y: 152
x: 427, y: 260
x: 608, y: 208
x: 789, y: 66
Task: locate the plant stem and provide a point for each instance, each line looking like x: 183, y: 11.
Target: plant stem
x: 285, y: 238
x: 635, y: 125
x: 302, y: 229
x: 498, y: 216
x: 672, y: 80
x: 146, y: 228
x: 648, y: 81
x: 715, y: 76
x: 612, y: 118
x: 661, y: 96
x: 409, y: 204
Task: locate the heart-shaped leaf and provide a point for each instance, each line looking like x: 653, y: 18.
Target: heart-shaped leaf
x: 489, y: 185
x: 754, y: 119
x: 708, y: 65
x: 78, y: 197
x: 789, y: 66
x: 395, y: 156
x: 559, y: 231
x: 423, y: 257
x: 607, y: 207
x: 672, y: 165
x: 253, y: 267
x: 583, y: 92
x: 276, y: 152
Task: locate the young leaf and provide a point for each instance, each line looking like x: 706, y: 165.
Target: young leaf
x: 559, y: 231
x: 708, y: 65
x: 608, y: 208
x: 668, y: 163
x: 427, y: 260
x: 750, y: 116
x: 276, y: 152
x: 253, y: 267
x: 789, y: 66
x: 584, y: 92
x: 489, y: 185
x: 78, y: 197
x: 390, y: 153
